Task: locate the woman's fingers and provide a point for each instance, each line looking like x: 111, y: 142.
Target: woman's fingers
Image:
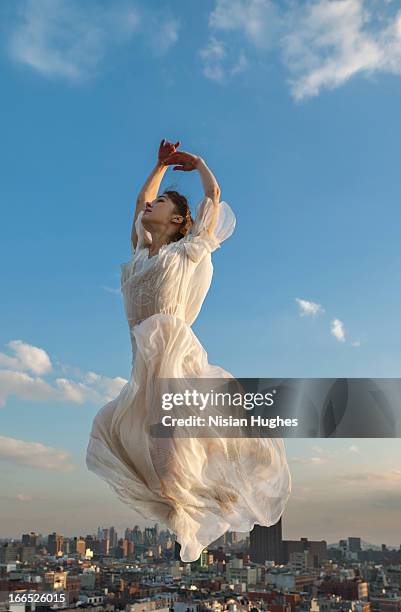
x: 174, y: 155
x: 184, y: 161
x: 186, y: 167
x: 170, y: 145
x: 180, y: 157
x: 172, y: 159
x: 167, y: 160
x: 167, y: 146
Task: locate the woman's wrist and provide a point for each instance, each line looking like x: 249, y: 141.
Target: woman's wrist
x: 199, y: 162
x: 161, y: 166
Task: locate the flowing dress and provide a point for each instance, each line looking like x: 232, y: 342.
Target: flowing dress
x: 198, y: 487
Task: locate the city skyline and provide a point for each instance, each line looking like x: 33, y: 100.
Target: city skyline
x: 100, y: 535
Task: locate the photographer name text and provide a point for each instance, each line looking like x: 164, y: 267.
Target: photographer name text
x: 219, y: 421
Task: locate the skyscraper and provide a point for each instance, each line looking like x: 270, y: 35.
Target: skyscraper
x: 55, y: 543
x: 354, y: 544
x: 177, y: 549
x: 266, y: 543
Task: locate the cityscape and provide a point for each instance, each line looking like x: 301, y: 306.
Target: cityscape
x: 140, y: 570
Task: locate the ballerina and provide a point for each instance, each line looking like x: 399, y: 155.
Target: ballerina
x: 198, y: 487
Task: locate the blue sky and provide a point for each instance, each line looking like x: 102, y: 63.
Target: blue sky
x: 295, y: 107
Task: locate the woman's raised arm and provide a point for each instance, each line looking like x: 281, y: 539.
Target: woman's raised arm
x: 151, y: 186
x: 211, y: 189
x: 188, y: 162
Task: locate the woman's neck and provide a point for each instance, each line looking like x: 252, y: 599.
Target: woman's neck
x: 159, y: 239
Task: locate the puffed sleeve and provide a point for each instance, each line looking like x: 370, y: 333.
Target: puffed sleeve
x: 144, y: 240
x: 144, y: 237
x: 199, y: 240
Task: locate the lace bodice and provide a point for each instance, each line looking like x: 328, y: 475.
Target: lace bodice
x: 177, y: 279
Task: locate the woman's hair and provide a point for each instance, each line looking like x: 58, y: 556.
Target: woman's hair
x: 182, y: 206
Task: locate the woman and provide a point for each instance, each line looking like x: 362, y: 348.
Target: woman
x: 197, y: 486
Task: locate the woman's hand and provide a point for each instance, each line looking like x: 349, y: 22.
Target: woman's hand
x: 166, y: 148
x: 185, y: 161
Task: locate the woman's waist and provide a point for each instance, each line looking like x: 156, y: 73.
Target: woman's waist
x: 173, y: 314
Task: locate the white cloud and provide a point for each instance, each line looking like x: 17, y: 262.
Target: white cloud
x: 392, y: 475
x: 319, y: 450
x: 164, y: 29
x: 94, y: 388
x: 89, y: 387
x: 259, y: 20
x: 105, y: 386
x: 67, y: 38
x: 26, y: 357
x: 310, y: 460
x: 71, y: 39
x: 240, y: 65
x: 24, y: 386
x: 322, y: 43
x: 23, y: 498
x: 213, y: 55
x: 337, y: 330
x: 317, y: 460
x: 331, y: 42
x: 33, y: 454
x: 309, y: 308
x: 215, y: 66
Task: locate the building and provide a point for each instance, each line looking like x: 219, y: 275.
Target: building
x: 8, y: 553
x: 237, y: 574
x: 354, y: 544
x: 266, y: 543
x: 386, y: 604
x: 30, y: 539
x: 80, y: 546
x: 351, y: 590
x: 55, y: 580
x: 317, y: 550
x: 26, y: 554
x: 177, y: 549
x: 55, y: 543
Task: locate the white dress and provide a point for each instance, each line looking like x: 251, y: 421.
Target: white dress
x: 198, y: 487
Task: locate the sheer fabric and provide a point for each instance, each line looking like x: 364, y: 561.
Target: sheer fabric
x: 198, y: 487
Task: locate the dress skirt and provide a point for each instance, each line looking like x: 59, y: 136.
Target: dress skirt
x: 199, y: 487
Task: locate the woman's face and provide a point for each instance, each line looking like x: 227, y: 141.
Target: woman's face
x: 161, y: 212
